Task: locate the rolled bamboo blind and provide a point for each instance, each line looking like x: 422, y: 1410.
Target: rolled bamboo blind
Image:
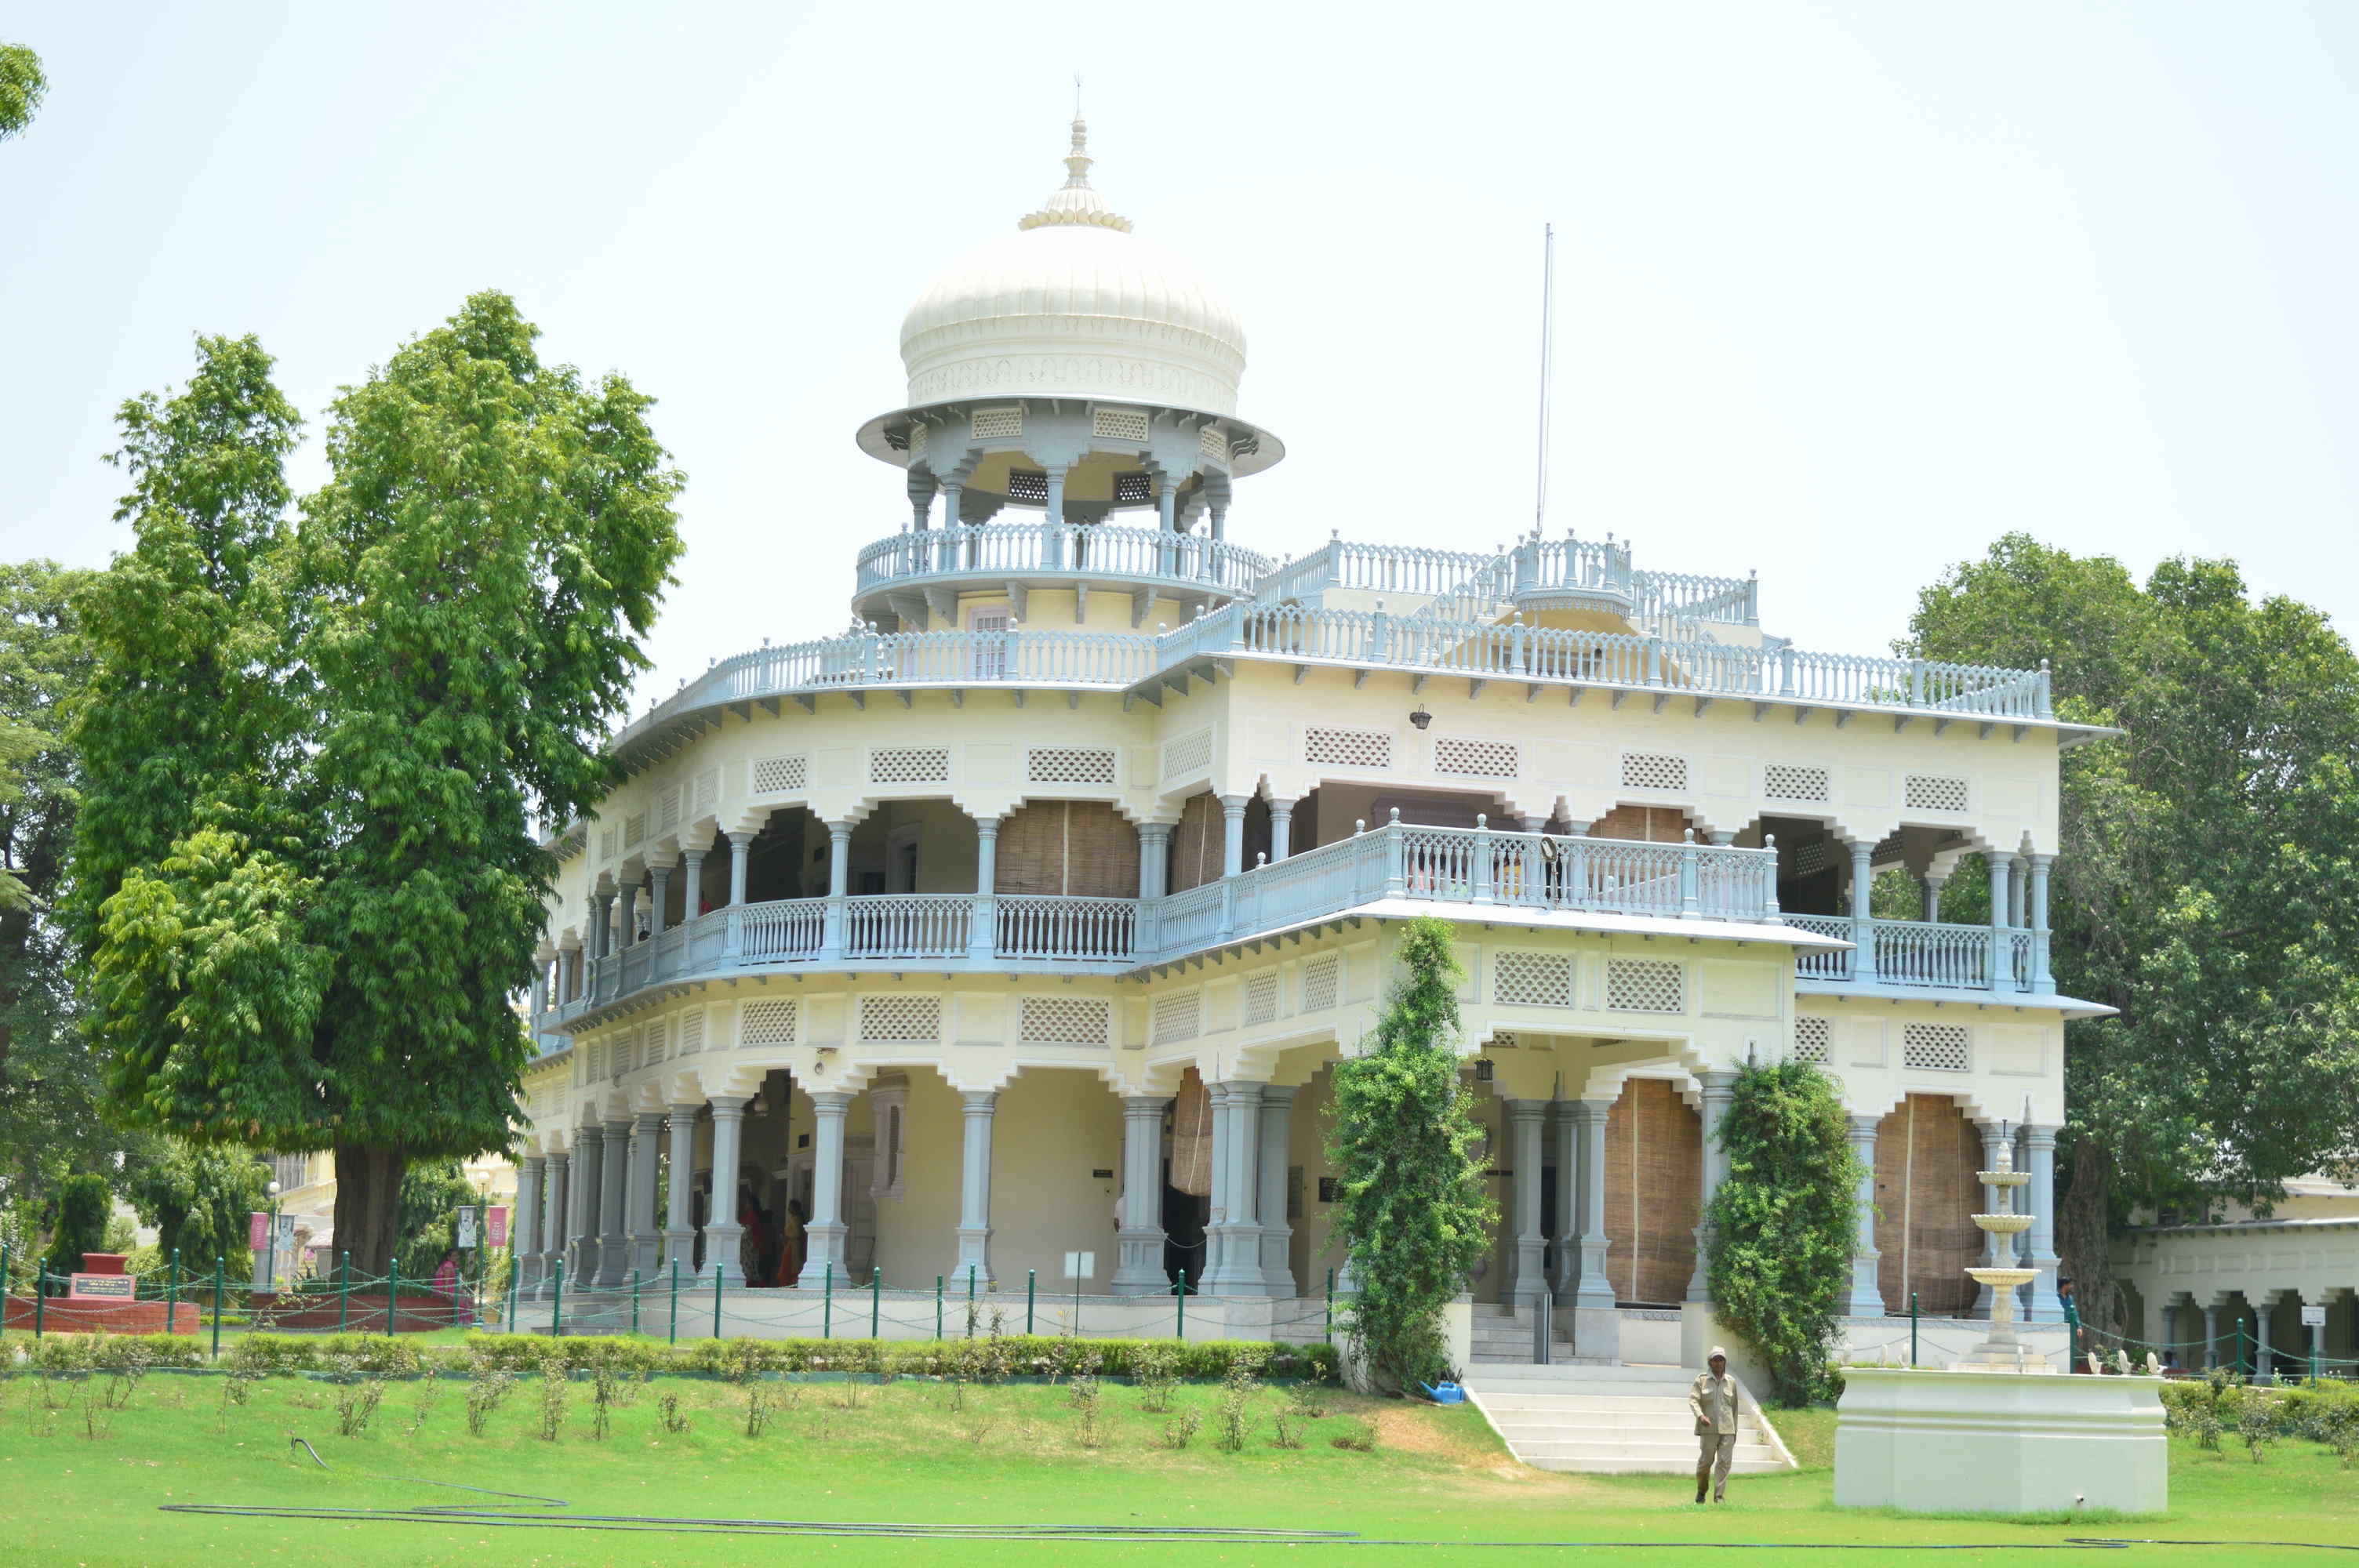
x: 1077, y: 848
x: 1196, y: 843
x: 1192, y: 1137
x: 1654, y: 1193
x: 1926, y: 1155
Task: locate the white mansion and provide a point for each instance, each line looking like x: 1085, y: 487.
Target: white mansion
x: 1012, y: 937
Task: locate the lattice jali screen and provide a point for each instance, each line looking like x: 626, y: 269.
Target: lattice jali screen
x: 634, y: 829
x: 1214, y: 444
x: 1792, y: 780
x: 1653, y: 769
x: 995, y: 424
x: 1532, y: 979
x: 768, y: 1023
x: 895, y: 1018
x: 668, y: 809
x: 1810, y: 858
x: 1933, y: 792
x: 1186, y: 754
x: 1261, y: 997
x: 1069, y: 765
x: 1936, y: 1048
x: 1065, y: 1020
x: 1645, y: 985
x: 781, y: 776
x: 1119, y: 425
x: 658, y: 1044
x: 1813, y: 1039
x: 708, y: 791
x: 1323, y: 982
x: 691, y: 1031
x: 1476, y: 759
x: 909, y: 764
x: 1179, y: 1017
x: 1348, y: 747
x: 606, y: 843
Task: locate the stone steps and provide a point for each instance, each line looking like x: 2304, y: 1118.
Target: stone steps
x: 1610, y: 1420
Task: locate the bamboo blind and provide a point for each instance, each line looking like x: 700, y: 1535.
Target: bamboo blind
x: 1192, y: 1137
x: 1649, y: 825
x: 1926, y: 1155
x: 1196, y: 843
x: 1654, y: 1192
x: 1079, y: 849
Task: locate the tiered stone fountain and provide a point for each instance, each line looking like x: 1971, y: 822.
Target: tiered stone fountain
x: 1991, y: 1435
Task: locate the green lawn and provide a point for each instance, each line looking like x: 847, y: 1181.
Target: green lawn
x: 1015, y: 1455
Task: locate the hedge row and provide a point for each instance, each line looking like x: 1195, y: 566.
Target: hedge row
x: 1019, y: 1355
x: 2310, y: 1411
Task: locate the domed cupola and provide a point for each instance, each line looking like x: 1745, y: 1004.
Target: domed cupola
x: 1074, y: 370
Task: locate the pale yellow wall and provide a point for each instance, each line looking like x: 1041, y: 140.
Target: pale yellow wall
x: 1053, y: 1131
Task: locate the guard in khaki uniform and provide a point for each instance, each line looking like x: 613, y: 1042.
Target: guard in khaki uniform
x: 1713, y: 1401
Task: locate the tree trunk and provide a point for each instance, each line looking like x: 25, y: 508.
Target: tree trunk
x: 2082, y: 1237
x: 368, y: 1204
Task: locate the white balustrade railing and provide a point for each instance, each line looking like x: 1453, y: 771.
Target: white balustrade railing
x: 1930, y: 954
x: 781, y: 928
x: 1001, y: 549
x: 1043, y: 925
x: 908, y: 925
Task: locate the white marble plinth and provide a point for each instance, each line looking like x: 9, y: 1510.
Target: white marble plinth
x: 2000, y: 1442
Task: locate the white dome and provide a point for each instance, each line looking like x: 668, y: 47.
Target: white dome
x: 1073, y: 305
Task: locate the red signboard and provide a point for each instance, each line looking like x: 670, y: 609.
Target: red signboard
x: 495, y: 1226
x: 257, y: 1231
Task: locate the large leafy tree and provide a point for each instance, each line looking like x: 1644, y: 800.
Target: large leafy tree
x: 2208, y: 878
x: 1781, y: 1223
x: 198, y: 1196
x: 22, y: 87
x: 1410, y: 1206
x: 323, y: 959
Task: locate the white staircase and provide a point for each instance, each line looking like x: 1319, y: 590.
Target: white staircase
x: 1503, y: 1336
x: 1611, y: 1419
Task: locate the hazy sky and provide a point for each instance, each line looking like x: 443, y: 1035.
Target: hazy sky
x: 1844, y: 291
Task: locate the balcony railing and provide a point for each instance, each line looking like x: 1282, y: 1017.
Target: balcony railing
x: 1473, y: 867
x: 1924, y: 954
x: 1018, y: 550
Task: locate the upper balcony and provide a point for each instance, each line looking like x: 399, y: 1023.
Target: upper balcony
x: 915, y: 577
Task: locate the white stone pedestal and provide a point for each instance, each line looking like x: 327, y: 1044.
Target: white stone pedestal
x: 2000, y: 1442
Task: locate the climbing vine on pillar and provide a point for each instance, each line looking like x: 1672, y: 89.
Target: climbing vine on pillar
x: 1410, y: 1206
x: 1782, y: 1223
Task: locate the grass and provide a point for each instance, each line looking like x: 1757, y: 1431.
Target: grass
x: 1016, y: 1455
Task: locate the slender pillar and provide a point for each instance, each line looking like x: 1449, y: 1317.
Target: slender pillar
x: 1154, y: 859
x: 1139, y: 1271
x: 561, y: 1219
x: 950, y: 494
x: 628, y: 931
x: 974, y: 1193
x: 723, y: 1236
x: 1166, y: 505
x: 2211, y: 1333
x: 1233, y: 834
x: 523, y: 1240
x: 1055, y: 514
x: 2019, y: 886
x: 1863, y: 908
x: 2001, y: 864
x: 983, y: 928
x: 691, y: 894
x: 646, y: 1242
x: 1281, y: 829
x: 602, y: 930
x: 589, y: 1160
x: 2318, y: 1332
x: 1719, y: 1089
x: 825, y: 1232
x: 1233, y: 1239
x: 741, y: 853
x: 1933, y: 886
x: 679, y: 1218
x: 1529, y: 1283
x: 1866, y: 1293
x: 2043, y: 981
x: 839, y: 881
x: 658, y: 895
x: 2264, y: 1368
x: 2039, y: 1145
x: 615, y: 1223
x: 1221, y: 530
x: 1568, y: 1200
x: 1997, y: 1250
x: 1596, y: 1321
x: 921, y: 500
x: 1272, y: 1159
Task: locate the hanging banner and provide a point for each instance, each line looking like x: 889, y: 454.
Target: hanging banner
x: 495, y: 1226
x: 467, y: 1228
x: 257, y: 1231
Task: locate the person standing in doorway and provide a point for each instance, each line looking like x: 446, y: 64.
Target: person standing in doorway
x: 1714, y: 1401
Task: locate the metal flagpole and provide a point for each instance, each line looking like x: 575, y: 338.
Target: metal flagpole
x: 1547, y: 356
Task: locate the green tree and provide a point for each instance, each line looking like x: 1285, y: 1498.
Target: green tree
x: 323, y: 957
x: 431, y: 1193
x: 198, y: 1196
x: 2207, y: 883
x: 22, y: 87
x: 1781, y: 1224
x: 1410, y: 1206
x: 84, y: 1203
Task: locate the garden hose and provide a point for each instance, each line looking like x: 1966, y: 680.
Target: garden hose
x: 668, y: 1524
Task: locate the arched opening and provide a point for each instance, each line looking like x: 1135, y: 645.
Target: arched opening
x: 1927, y: 1156
x: 1654, y: 1193
x: 1069, y: 848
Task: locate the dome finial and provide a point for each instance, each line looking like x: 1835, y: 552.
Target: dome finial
x: 1076, y: 202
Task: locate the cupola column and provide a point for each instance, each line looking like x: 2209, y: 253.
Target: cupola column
x: 922, y: 486
x: 951, y: 491
x: 1056, y: 510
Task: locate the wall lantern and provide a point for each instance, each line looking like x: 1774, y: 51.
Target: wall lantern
x: 1419, y: 717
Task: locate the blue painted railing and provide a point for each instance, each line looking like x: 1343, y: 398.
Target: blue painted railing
x: 998, y: 550
x: 1923, y: 953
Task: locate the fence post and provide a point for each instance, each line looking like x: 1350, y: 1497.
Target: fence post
x: 1180, y: 1319
x: 40, y: 1294
x: 172, y: 1301
x: 827, y: 1301
x: 875, y: 1299
x: 344, y: 1294
x: 635, y: 1303
x: 719, y: 1270
x: 220, y: 1268
x: 673, y: 1337
x: 937, y: 1306
x: 969, y: 1302
x: 392, y: 1294
x: 1330, y: 1306
x: 557, y: 1299
x: 513, y: 1270
x: 1912, y: 1329
x: 1031, y: 1282
x: 4, y: 1290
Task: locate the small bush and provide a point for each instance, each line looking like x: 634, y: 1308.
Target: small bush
x: 489, y: 1386
x: 1181, y: 1430
x: 1155, y: 1370
x: 553, y: 1396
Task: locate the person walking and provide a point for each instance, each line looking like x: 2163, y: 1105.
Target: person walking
x: 1714, y: 1401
